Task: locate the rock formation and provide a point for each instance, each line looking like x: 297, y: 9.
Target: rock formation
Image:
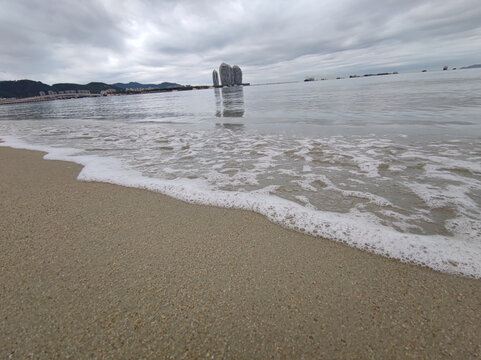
x: 215, y: 78
x: 237, y: 75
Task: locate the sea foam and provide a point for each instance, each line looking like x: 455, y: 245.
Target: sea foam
x: 362, y: 230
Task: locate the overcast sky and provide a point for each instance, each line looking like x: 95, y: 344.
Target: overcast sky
x: 271, y: 40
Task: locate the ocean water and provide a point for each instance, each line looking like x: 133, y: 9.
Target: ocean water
x: 390, y: 164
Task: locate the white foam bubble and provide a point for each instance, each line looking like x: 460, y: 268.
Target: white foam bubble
x: 443, y: 196
x: 305, y: 184
x: 465, y: 228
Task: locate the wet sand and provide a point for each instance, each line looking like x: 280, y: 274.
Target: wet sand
x: 102, y: 271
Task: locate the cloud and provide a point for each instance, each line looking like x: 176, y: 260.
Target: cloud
x: 182, y: 41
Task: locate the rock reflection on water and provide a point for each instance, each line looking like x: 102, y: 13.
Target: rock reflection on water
x: 229, y: 126
x: 230, y: 103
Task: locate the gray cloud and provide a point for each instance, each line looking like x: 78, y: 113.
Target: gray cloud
x: 182, y: 41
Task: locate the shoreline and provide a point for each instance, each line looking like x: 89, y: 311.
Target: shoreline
x: 448, y: 259
x: 43, y: 98
x: 9, y: 101
x: 95, y: 269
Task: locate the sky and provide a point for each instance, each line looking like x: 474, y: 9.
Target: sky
x: 271, y: 40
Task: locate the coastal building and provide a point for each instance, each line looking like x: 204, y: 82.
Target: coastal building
x: 107, y: 92
x: 215, y: 78
x: 229, y: 75
x: 237, y: 75
x: 226, y: 74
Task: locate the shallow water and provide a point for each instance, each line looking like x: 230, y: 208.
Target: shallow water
x: 390, y: 164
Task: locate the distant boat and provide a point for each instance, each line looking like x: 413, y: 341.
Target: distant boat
x: 309, y: 79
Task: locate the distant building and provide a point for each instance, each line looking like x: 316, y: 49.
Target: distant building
x: 215, y: 78
x: 42, y: 93
x: 108, y: 91
x: 230, y: 75
x: 50, y: 92
x: 237, y: 75
x: 226, y: 74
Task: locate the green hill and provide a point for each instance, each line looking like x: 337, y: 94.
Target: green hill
x: 28, y: 88
x: 21, y: 88
x: 94, y: 87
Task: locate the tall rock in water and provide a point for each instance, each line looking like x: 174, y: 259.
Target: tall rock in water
x: 215, y: 78
x: 237, y: 75
x: 226, y: 74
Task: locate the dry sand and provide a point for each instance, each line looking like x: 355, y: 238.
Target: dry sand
x: 101, y: 271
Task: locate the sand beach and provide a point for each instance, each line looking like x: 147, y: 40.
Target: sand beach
x: 94, y: 270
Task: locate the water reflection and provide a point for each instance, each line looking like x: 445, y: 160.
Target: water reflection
x: 231, y: 103
x: 232, y: 127
x: 218, y: 103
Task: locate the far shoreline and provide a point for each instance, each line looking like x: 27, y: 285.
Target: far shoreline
x: 44, y: 98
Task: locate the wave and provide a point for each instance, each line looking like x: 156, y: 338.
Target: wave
x: 363, y: 230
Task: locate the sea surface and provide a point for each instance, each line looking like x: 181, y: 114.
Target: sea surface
x: 389, y: 164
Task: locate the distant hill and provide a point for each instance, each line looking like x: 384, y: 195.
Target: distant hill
x: 28, y: 88
x: 94, y: 87
x: 475, y: 66
x: 136, y: 85
x: 21, y: 88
